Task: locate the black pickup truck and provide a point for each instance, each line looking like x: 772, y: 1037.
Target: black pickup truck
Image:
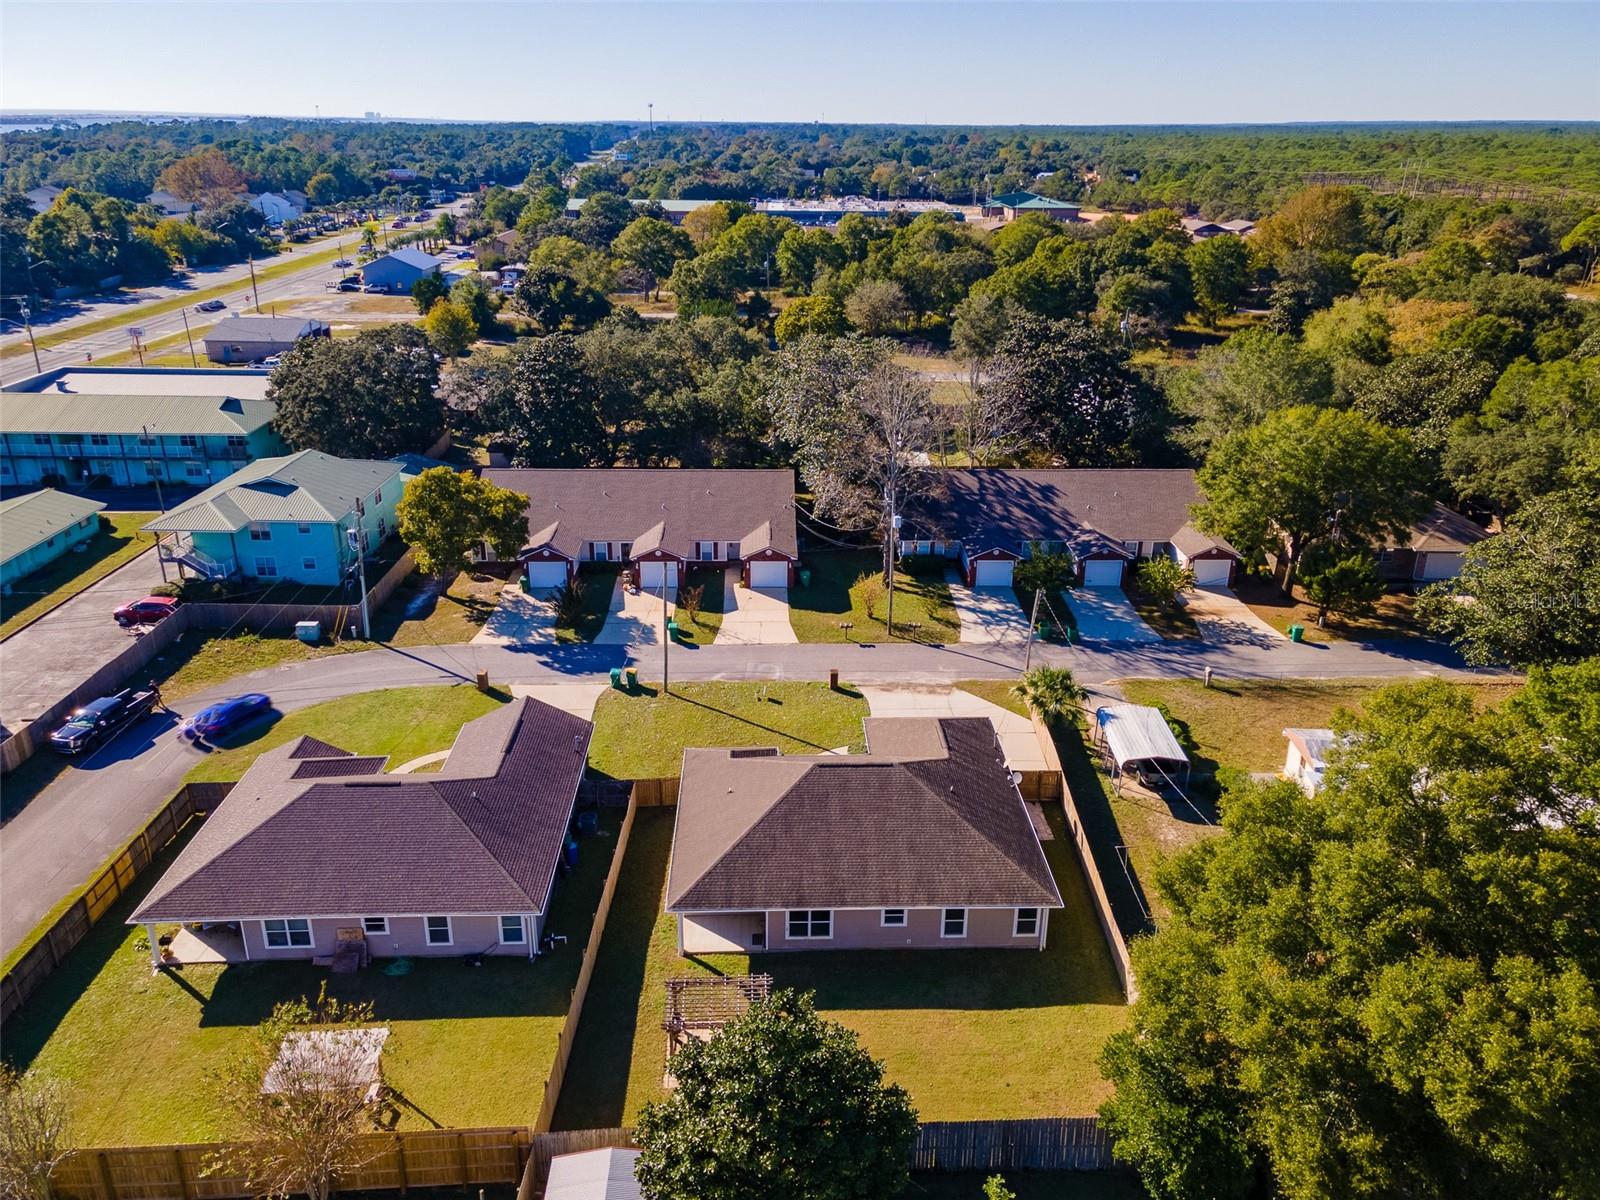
x: 101, y: 719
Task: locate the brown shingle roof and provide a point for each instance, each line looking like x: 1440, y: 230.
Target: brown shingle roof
x: 481, y: 836
x: 1442, y: 529
x: 667, y: 509
x: 929, y: 818
x: 1090, y: 510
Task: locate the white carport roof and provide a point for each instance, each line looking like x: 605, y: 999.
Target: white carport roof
x: 1137, y: 733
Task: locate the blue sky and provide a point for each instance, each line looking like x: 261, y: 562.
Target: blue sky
x: 971, y: 63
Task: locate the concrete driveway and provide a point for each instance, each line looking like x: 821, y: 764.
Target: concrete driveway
x: 989, y: 616
x: 754, y: 616
x: 1225, y: 620
x: 634, y: 619
x: 1107, y: 615
x: 1017, y: 738
x: 519, y: 619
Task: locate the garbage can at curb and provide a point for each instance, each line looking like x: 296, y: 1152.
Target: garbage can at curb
x: 1297, y: 633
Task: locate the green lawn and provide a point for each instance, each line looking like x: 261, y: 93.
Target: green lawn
x: 599, y: 585
x: 922, y: 608
x: 703, y: 629
x: 34, y: 595
x: 404, y: 723
x: 1173, y: 624
x: 971, y: 1033
x: 643, y: 736
x: 137, y: 1052
x: 995, y: 691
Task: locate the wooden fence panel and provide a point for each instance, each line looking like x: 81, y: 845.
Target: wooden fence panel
x: 655, y: 793
x: 1042, y: 1144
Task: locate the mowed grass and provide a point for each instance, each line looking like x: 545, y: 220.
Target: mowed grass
x: 137, y: 1052
x: 403, y: 723
x: 643, y: 736
x: 972, y: 1034
x: 703, y: 628
x: 117, y: 541
x: 922, y: 608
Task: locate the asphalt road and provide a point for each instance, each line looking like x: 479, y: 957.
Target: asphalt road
x: 54, y: 843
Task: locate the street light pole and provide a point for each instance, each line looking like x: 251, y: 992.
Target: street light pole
x: 193, y: 361
x: 27, y: 324
x: 894, y: 536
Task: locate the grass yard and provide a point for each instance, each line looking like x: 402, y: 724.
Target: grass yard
x: 971, y: 1033
x: 599, y: 584
x: 702, y: 630
x: 995, y: 691
x: 1395, y: 616
x: 834, y: 596
x: 643, y: 736
x: 32, y: 596
x: 136, y: 1052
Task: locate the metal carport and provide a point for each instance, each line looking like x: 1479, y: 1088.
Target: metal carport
x: 1137, y: 735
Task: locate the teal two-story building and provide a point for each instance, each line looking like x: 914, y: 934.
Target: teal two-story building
x: 39, y: 527
x: 289, y: 518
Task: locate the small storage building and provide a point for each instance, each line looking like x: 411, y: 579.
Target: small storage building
x: 250, y: 339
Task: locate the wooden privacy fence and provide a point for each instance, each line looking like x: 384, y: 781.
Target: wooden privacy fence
x: 72, y: 926
x: 1042, y: 1144
x: 389, y: 1162
x: 547, y: 1146
x: 655, y: 793
x: 1115, y: 942
x: 591, y: 951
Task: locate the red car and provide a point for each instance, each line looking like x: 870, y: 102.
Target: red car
x: 147, y: 611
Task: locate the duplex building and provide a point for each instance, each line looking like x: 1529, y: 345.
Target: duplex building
x: 39, y: 527
x: 315, y: 848
x: 657, y: 522
x: 294, y: 517
x: 923, y: 842
x: 250, y: 339
x: 1432, y: 550
x: 126, y: 427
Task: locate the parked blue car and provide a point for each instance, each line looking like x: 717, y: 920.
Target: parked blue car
x: 224, y: 716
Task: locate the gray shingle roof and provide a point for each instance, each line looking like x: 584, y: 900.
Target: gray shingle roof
x: 306, y: 486
x: 67, y: 412
x: 262, y: 329
x: 929, y: 818
x: 667, y: 509
x: 26, y: 521
x: 482, y: 836
x: 1443, y: 529
x: 1090, y: 510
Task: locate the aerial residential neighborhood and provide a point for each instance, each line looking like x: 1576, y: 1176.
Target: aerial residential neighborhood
x: 845, y: 631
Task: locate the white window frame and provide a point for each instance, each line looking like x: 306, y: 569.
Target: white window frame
x: 808, y: 917
x: 521, y: 930
x: 944, y: 923
x: 266, y: 567
x: 377, y: 925
x: 308, y: 563
x: 885, y: 923
x: 1016, y: 922
x: 377, y: 496
x: 194, y: 470
x: 287, y: 933
x: 260, y: 531
x: 600, y: 551
x: 188, y: 441
x: 43, y: 439
x: 708, y: 551
x: 303, y: 527
x: 449, y: 931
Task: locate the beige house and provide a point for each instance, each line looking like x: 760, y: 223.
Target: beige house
x: 316, y: 850
x: 924, y: 842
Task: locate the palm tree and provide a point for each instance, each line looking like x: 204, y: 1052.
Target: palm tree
x: 1051, y: 692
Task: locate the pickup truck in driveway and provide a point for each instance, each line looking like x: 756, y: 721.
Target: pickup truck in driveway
x: 101, y: 719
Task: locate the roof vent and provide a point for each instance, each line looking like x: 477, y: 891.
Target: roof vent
x: 577, y: 744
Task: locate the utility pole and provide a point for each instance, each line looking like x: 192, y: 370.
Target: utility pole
x: 193, y: 361
x: 358, y: 543
x: 253, y: 289
x: 33, y: 345
x: 652, y: 108
x: 888, y: 557
x: 1033, y: 624
x: 666, y: 635
x: 150, y: 467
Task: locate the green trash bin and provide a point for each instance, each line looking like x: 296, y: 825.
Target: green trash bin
x: 805, y: 576
x: 1297, y: 633
x: 522, y: 582
x: 672, y: 630
x: 616, y: 677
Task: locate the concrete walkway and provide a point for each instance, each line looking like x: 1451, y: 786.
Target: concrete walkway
x: 1226, y: 620
x: 634, y: 619
x: 578, y: 699
x: 519, y: 619
x: 1107, y: 615
x: 754, y: 616
x: 1020, y: 743
x: 989, y: 616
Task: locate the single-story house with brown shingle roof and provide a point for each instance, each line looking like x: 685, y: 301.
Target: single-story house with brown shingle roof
x: 989, y: 519
x: 922, y: 842
x: 315, y: 846
x: 1433, y: 549
x: 656, y: 521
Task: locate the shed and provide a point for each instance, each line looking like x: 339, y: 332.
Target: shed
x: 593, y: 1175
x: 1137, y: 737
x: 1307, y: 757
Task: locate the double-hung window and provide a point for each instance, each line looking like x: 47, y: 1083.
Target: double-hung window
x: 511, y: 931
x: 1027, y: 923
x: 810, y: 924
x: 954, y: 924
x: 308, y: 564
x: 260, y: 533
x: 438, y: 931
x: 600, y: 551
x: 284, y: 933
x: 708, y: 551
x: 99, y: 439
x: 266, y: 568
x: 893, y: 918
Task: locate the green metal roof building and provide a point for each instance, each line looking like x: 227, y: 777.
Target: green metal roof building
x: 39, y: 527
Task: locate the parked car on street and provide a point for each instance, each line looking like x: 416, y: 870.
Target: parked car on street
x: 214, y: 720
x: 210, y: 306
x: 343, y: 262
x: 147, y: 611
x: 100, y: 719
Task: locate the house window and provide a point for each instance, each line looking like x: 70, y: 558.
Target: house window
x: 377, y: 496
x: 266, y: 568
x: 5, y: 468
x: 1132, y: 548
x: 511, y: 931
x: 99, y: 439
x: 1161, y: 550
x: 1027, y: 923
x: 1385, y: 555
x: 893, y: 918
x: 810, y: 924
x: 374, y: 924
x: 303, y: 527
x: 41, y: 439
x: 146, y: 440
x: 383, y: 529
x: 627, y: 550
x: 51, y: 540
x: 260, y: 533
x: 955, y: 923
x: 194, y: 470
x: 308, y: 564
x: 287, y: 932
x: 708, y: 551
x: 438, y: 931
x: 188, y: 441
x: 600, y: 551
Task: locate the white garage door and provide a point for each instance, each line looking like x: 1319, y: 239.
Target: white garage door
x: 993, y: 572
x: 650, y: 575
x: 769, y: 574
x: 1102, y: 572
x: 1210, y: 571
x: 1441, y: 565
x: 547, y: 574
